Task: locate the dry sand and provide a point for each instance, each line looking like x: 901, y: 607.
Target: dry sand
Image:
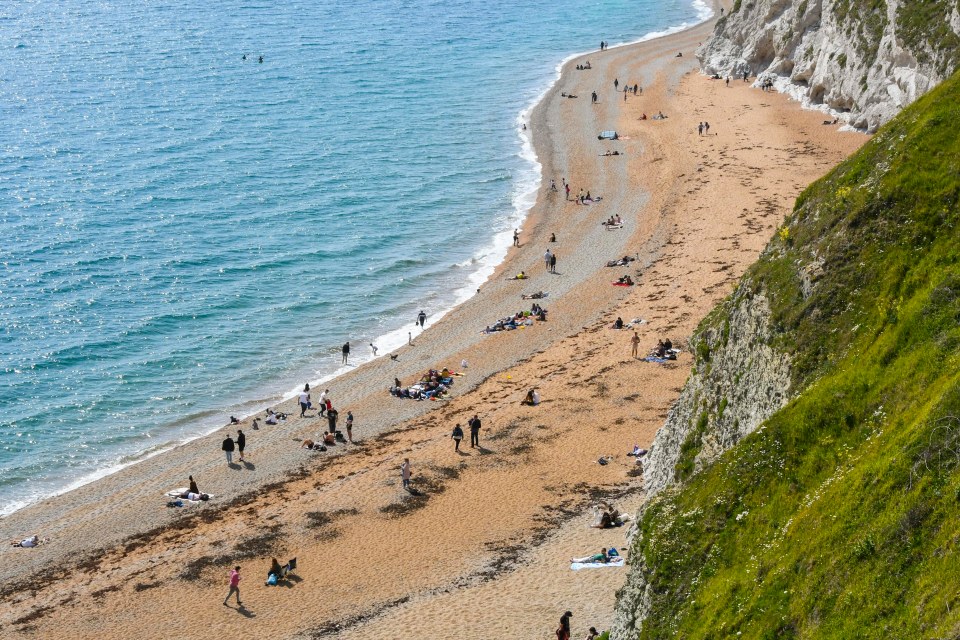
x: 485, y: 548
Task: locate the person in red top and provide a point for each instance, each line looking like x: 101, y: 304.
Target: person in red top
x: 234, y: 586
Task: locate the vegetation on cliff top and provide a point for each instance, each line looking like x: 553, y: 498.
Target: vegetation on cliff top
x: 840, y: 516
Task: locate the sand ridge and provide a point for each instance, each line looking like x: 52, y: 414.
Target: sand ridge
x: 486, y: 546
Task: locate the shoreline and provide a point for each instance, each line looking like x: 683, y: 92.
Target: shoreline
x: 499, y: 245
x: 492, y: 530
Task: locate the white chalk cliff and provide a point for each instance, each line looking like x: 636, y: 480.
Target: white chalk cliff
x: 866, y: 59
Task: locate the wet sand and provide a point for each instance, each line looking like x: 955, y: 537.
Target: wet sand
x: 486, y: 546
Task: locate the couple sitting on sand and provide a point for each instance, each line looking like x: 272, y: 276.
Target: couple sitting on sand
x: 533, y: 398
x: 613, y: 221
x: 625, y: 280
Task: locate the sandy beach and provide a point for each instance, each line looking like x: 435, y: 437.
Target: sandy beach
x: 485, y: 546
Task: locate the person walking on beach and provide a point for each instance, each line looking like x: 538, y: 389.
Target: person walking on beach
x: 350, y: 427
x: 635, y: 88
x: 616, y: 84
x: 546, y: 259
x: 635, y: 342
x: 241, y: 443
x: 566, y: 186
x: 553, y: 263
x: 421, y: 318
x: 706, y: 128
x: 405, y: 473
x: 228, y: 448
x: 516, y: 237
x: 563, y: 631
x: 323, y: 402
x: 474, y: 425
x: 593, y: 97
x: 346, y: 351
x: 700, y: 129
x: 234, y: 586
x: 457, y: 436
x: 304, y: 399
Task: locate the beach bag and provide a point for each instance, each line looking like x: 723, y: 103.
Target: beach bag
x: 272, y: 580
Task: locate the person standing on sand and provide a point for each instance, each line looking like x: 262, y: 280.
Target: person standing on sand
x: 346, y: 351
x: 304, y: 399
x: 234, y: 586
x: 593, y: 97
x: 635, y: 342
x: 706, y: 128
x: 405, y: 473
x: 241, y: 443
x: 474, y: 425
x: 457, y: 436
x: 616, y: 84
x: 332, y: 419
x: 700, y: 129
x: 228, y: 448
x: 546, y: 259
x: 516, y: 237
x: 566, y: 186
x: 323, y: 402
x: 350, y: 427
x: 421, y: 318
x: 553, y: 263
x: 563, y: 631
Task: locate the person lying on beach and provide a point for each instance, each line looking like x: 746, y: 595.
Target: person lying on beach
x: 194, y: 496
x: 27, y: 543
x: 610, y: 153
x: 568, y: 95
x: 539, y: 295
x: 622, y: 262
x: 659, y: 116
x: 520, y: 276
x: 602, y: 557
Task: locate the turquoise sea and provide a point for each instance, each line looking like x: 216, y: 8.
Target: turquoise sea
x: 188, y: 234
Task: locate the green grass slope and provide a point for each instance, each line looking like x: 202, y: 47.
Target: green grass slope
x: 840, y: 516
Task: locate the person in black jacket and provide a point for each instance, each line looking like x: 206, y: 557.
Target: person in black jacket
x: 474, y: 431
x: 228, y: 448
x: 241, y: 443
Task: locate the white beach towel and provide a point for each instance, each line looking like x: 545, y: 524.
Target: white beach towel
x: 576, y: 566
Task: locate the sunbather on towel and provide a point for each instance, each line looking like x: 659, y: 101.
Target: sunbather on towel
x: 597, y: 557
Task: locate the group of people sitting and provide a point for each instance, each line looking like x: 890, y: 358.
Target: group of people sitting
x: 433, y: 384
x: 665, y: 350
x: 274, y: 417
x: 625, y: 280
x: 622, y: 262
x: 519, y: 319
x: 613, y: 221
x: 584, y: 66
x: 278, y: 573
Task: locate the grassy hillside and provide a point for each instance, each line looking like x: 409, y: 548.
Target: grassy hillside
x: 840, y: 516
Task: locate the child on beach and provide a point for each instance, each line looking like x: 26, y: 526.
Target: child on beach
x: 405, y: 473
x: 234, y: 586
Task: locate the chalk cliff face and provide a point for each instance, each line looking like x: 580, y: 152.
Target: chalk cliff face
x: 866, y: 59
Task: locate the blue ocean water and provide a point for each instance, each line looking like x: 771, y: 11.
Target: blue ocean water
x: 188, y: 234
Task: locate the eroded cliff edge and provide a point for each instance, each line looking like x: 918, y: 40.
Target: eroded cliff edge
x: 866, y: 59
